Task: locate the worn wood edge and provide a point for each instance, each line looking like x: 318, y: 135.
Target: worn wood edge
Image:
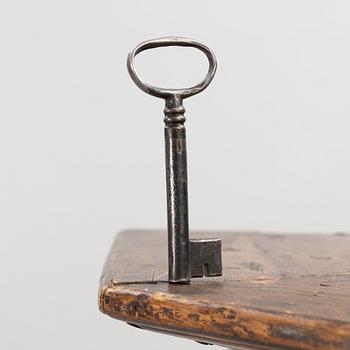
x: 221, y: 324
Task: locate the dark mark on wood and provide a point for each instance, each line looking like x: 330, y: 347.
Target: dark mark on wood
x: 254, y: 266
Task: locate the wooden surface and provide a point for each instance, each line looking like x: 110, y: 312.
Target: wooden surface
x: 277, y: 291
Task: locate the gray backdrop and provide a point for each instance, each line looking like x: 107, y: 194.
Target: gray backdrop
x: 81, y: 148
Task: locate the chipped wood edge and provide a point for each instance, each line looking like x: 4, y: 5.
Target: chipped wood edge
x: 228, y: 325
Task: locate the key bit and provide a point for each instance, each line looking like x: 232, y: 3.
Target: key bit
x: 186, y: 258
x: 205, y: 257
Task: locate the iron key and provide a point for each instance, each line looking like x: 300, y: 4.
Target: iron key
x: 186, y: 258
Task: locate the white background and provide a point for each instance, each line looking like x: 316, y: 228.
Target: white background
x: 81, y: 147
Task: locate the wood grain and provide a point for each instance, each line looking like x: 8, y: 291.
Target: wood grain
x: 277, y: 291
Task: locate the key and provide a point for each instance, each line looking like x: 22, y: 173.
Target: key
x: 186, y: 257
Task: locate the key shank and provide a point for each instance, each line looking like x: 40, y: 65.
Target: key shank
x: 177, y: 196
